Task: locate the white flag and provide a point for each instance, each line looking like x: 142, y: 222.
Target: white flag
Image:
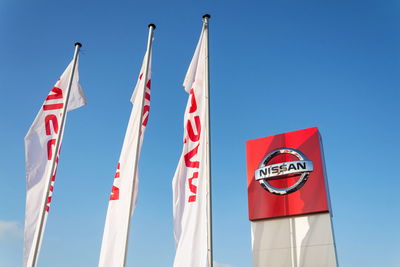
x: 39, y: 149
x: 116, y: 228
x: 189, y: 183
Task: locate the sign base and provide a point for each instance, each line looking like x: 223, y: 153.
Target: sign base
x: 294, y: 241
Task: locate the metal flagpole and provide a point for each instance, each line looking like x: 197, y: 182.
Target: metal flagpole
x: 139, y: 128
x: 39, y: 232
x: 206, y: 17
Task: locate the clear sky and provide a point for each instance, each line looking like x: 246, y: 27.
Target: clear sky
x: 276, y: 66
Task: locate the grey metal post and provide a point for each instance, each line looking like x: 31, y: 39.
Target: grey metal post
x: 206, y: 17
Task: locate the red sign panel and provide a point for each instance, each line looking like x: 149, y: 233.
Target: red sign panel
x: 286, y: 175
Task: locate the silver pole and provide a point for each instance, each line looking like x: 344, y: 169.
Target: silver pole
x: 206, y: 17
x: 36, y: 243
x: 139, y: 126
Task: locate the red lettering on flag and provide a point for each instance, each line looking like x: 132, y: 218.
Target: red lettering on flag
x: 53, y: 106
x: 53, y: 178
x: 188, y: 156
x: 194, y: 137
x: 57, y: 94
x: 115, y: 190
x: 146, y: 112
x: 114, y: 193
x: 51, y: 118
x: 50, y: 144
x: 192, y: 187
x: 193, y: 129
x: 193, y: 104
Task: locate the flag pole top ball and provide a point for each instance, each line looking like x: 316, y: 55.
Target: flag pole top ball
x: 152, y: 25
x: 78, y: 44
x: 206, y: 16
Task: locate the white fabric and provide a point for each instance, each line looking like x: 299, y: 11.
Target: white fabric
x: 116, y: 226
x: 189, y: 182
x: 38, y: 151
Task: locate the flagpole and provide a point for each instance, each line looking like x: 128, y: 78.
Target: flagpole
x: 139, y: 124
x: 39, y: 232
x: 206, y: 17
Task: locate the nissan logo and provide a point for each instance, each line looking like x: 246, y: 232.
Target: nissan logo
x: 266, y: 172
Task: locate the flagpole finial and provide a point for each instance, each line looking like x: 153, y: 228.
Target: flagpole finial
x: 152, y: 25
x: 206, y: 16
x: 78, y: 44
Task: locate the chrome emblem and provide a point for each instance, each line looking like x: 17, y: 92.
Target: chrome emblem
x: 266, y: 172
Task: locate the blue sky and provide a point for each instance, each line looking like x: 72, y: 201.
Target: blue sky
x: 275, y: 67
